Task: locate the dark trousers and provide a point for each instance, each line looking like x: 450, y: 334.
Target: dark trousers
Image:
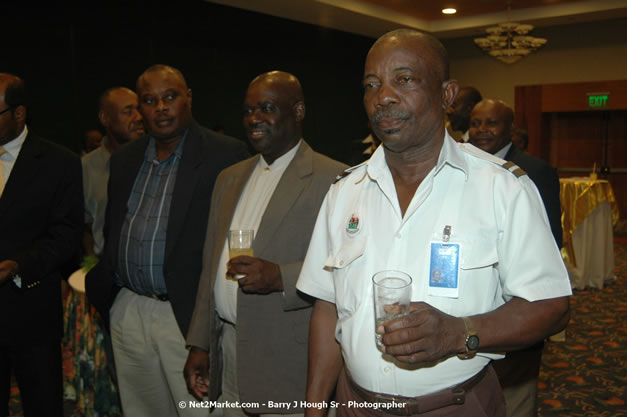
x: 518, y: 375
x: 484, y: 400
x: 37, y: 369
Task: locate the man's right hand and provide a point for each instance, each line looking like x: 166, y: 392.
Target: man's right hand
x: 196, y: 372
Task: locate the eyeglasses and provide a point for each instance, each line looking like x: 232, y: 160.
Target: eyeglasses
x: 5, y: 110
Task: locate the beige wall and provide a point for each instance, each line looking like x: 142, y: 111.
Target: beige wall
x: 590, y: 51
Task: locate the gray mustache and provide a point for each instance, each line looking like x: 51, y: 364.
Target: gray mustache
x: 394, y: 114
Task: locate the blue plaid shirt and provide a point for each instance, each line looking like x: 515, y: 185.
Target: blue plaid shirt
x: 142, y: 241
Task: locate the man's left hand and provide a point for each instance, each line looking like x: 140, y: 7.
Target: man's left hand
x: 8, y: 268
x: 262, y: 277
x: 424, y: 335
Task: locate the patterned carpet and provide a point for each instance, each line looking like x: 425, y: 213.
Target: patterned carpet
x: 586, y: 375
x: 583, y: 376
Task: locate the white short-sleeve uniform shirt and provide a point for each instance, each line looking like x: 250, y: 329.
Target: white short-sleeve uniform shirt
x: 507, y: 250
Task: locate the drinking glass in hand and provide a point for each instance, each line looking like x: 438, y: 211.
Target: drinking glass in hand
x: 392, y: 296
x: 240, y: 244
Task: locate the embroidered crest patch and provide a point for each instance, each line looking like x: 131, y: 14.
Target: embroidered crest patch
x: 353, y: 224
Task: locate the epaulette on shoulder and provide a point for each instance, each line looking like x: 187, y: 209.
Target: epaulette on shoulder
x: 347, y: 172
x: 514, y: 169
x: 508, y: 165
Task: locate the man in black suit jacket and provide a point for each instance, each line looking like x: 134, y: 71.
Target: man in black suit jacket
x: 145, y: 284
x: 41, y: 216
x: 491, y: 126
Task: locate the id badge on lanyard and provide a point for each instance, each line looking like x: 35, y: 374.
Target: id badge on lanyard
x: 444, y: 266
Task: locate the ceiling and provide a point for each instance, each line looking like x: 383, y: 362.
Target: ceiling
x: 374, y: 17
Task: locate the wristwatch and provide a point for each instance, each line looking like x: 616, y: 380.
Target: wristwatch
x: 472, y: 340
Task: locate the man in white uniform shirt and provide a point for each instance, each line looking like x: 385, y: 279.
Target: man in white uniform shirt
x: 256, y: 327
x: 422, y: 191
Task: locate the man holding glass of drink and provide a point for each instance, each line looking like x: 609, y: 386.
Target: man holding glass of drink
x: 449, y: 216
x: 248, y: 316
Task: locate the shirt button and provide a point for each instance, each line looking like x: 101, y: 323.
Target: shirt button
x: 386, y: 369
x: 341, y: 262
x: 398, y: 236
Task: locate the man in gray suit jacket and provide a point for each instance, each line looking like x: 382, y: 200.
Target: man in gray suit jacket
x: 257, y: 327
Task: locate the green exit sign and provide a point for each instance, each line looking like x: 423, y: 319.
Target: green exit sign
x: 598, y: 100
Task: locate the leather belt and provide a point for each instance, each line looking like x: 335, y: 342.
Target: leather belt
x: 158, y: 297
x: 407, y: 406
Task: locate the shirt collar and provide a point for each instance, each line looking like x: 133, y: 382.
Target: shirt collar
x: 501, y: 154
x: 377, y: 166
x: 451, y: 155
x: 13, y: 147
x: 151, y: 151
x: 281, y: 162
x: 106, y: 155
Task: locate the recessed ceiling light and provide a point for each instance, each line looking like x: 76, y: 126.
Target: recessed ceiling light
x: 449, y: 10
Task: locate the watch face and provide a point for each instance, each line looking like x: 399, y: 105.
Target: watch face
x: 472, y: 342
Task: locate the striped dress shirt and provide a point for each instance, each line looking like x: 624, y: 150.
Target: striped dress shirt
x: 143, y: 237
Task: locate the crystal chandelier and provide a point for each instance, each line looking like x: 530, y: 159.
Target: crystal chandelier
x: 508, y: 42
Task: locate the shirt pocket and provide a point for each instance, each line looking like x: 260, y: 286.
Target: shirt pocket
x: 479, y: 284
x: 478, y: 253
x: 347, y: 252
x: 350, y: 277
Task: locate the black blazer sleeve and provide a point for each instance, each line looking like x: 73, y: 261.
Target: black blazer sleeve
x: 64, y: 219
x: 545, y: 177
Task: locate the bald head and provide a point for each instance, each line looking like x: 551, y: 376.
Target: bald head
x: 284, y: 83
x: 12, y: 106
x: 120, y: 116
x: 274, y: 109
x: 438, y: 54
x: 161, y: 70
x: 406, y: 91
x: 13, y: 90
x: 497, y: 107
x: 491, y: 124
x: 165, y: 103
x: 110, y: 96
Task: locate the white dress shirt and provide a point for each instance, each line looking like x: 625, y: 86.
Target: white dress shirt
x: 507, y: 250
x: 501, y: 153
x: 8, y: 158
x: 7, y: 162
x: 248, y: 214
x: 95, y: 179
